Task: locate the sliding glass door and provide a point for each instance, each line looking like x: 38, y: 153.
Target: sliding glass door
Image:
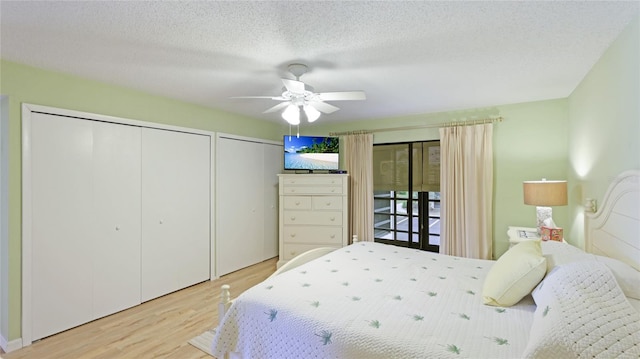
x: 407, y: 194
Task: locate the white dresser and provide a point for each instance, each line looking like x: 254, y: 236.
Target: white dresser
x: 313, y: 213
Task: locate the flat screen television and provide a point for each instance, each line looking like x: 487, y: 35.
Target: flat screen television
x: 311, y: 153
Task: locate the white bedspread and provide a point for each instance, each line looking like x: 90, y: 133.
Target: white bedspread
x: 370, y: 300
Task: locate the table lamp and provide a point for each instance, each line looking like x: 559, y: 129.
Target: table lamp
x: 544, y: 194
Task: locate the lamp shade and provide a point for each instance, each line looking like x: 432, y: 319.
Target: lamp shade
x: 545, y: 193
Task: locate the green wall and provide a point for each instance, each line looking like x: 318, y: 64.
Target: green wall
x: 530, y: 146
x: 24, y: 84
x: 604, y: 113
x: 31, y: 85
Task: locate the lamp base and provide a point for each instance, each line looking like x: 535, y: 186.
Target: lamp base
x: 542, y: 214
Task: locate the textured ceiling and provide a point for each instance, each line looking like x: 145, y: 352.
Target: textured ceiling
x: 409, y: 57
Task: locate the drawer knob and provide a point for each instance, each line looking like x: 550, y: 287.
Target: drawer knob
x: 332, y: 219
x: 332, y: 236
x: 293, y: 253
x: 292, y: 190
x: 292, y: 235
x: 328, y: 203
x: 333, y: 190
x: 297, y: 203
x: 293, y: 218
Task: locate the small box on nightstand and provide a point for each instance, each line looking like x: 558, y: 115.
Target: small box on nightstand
x: 553, y: 234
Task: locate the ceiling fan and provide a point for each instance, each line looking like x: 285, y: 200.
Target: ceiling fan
x: 297, y: 95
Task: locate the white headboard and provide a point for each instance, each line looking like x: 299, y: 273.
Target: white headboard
x: 614, y: 230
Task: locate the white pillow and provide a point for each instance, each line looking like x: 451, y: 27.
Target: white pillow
x: 562, y: 249
x: 555, y: 260
x: 628, y: 278
x: 634, y: 303
x: 514, y: 274
x: 558, y: 253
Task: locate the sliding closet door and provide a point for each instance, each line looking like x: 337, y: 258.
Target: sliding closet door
x: 175, y: 211
x: 85, y: 221
x: 239, y: 204
x: 62, y: 218
x: 246, y: 202
x: 116, y: 196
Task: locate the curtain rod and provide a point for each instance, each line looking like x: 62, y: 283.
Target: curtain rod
x: 444, y: 124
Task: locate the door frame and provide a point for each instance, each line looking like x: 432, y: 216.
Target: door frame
x: 27, y: 115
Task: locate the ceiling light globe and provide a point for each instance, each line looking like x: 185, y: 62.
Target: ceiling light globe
x: 292, y: 115
x: 312, y: 113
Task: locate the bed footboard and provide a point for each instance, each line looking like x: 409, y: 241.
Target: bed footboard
x: 225, y: 301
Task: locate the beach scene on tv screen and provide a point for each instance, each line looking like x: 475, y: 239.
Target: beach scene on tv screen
x: 311, y: 153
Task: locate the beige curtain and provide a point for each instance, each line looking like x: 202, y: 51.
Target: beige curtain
x: 358, y: 156
x: 466, y: 189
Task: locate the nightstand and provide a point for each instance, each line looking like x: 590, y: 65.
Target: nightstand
x: 521, y: 234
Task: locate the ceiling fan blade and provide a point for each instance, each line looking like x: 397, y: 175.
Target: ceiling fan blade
x: 323, y: 107
x: 277, y: 107
x: 278, y: 98
x: 293, y: 86
x: 342, y: 96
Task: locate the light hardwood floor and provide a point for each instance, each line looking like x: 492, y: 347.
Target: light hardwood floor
x: 160, y: 328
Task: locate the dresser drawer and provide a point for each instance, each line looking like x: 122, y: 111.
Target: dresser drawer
x: 326, y: 203
x: 327, y: 218
x: 297, y: 202
x: 312, y: 234
x: 293, y: 190
x: 318, y: 180
x: 292, y: 250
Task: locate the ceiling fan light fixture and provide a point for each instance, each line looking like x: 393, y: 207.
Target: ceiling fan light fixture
x: 297, y: 96
x: 292, y: 114
x: 311, y: 112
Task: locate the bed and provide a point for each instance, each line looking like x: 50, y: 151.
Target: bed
x: 370, y: 300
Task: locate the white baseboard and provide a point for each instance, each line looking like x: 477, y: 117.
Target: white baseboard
x: 8, y: 347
